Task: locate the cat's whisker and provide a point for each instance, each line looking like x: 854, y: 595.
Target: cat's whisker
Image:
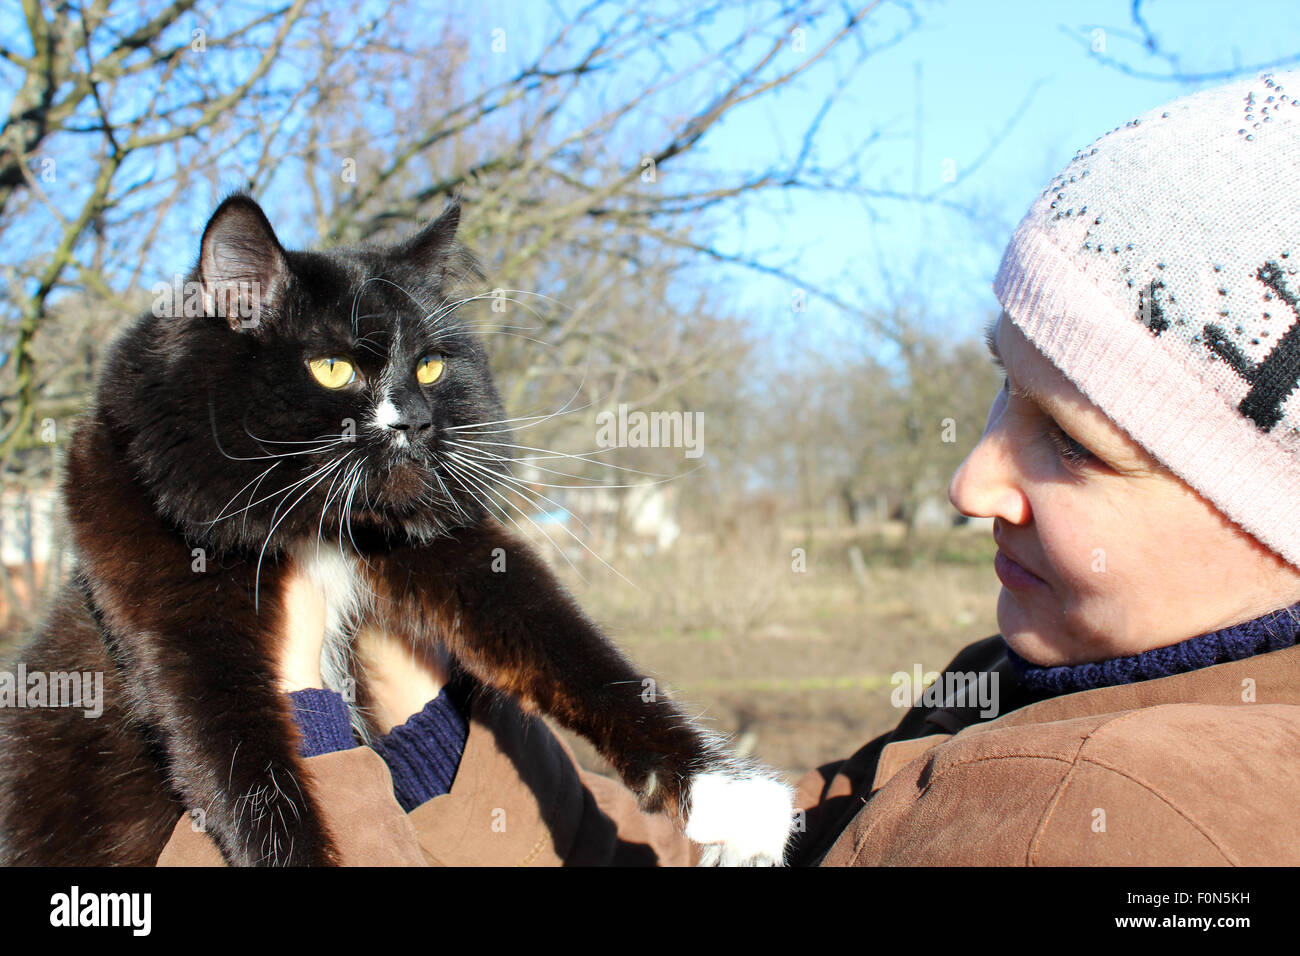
x: 526, y: 495
x: 347, y: 477
x: 284, y: 454
x: 593, y: 482
x: 345, y: 500
x: 520, y: 488
x: 275, y: 523
x: 537, y: 295
x: 406, y: 292
x: 503, y: 298
x: 517, y: 328
x: 285, y: 491
x: 583, y: 456
x: 489, y: 507
x: 433, y: 500
x: 487, y: 490
x: 500, y: 421
x: 251, y: 481
x: 534, y: 420
x: 329, y: 494
x: 356, y: 296
x: 480, y: 428
x: 456, y: 331
x: 484, y: 453
x: 553, y: 453
x: 490, y: 504
x: 212, y: 419
x: 243, y: 522
x: 382, y: 353
x: 276, y: 441
x: 448, y: 496
x: 437, y: 315
x: 464, y: 328
x: 533, y: 503
x: 356, y: 480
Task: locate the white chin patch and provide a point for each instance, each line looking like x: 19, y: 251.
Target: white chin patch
x: 742, y: 820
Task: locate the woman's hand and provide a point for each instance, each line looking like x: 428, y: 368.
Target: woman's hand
x: 302, y: 633
x: 400, y: 679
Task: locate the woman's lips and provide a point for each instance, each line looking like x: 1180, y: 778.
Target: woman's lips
x: 1013, y: 575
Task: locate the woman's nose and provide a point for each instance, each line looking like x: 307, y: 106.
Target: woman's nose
x: 987, y: 484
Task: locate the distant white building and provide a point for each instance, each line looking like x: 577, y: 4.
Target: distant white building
x: 26, y: 526
x: 641, y: 519
x: 27, y: 549
x: 651, y: 515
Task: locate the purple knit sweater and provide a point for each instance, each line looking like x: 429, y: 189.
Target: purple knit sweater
x: 422, y: 754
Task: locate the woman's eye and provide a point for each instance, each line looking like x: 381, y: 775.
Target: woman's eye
x: 429, y: 369
x: 333, y: 372
x: 1068, y: 448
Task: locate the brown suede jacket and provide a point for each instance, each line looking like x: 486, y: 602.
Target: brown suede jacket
x: 1201, y: 768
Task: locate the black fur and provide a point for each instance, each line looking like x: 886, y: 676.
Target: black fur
x: 183, y: 543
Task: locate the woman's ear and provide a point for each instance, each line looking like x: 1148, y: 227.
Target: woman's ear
x: 242, y: 266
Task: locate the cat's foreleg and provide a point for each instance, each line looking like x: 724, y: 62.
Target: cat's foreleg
x: 196, y: 656
x: 511, y: 624
x: 210, y: 692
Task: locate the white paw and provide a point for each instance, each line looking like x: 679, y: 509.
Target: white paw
x: 742, y: 819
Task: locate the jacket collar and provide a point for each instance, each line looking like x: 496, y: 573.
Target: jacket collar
x: 1270, y: 678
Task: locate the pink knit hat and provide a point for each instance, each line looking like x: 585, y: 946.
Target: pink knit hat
x: 1158, y: 272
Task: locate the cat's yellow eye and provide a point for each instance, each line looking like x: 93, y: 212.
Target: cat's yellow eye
x: 332, y: 372
x: 429, y: 370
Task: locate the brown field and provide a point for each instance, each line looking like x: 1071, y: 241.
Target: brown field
x: 796, y: 665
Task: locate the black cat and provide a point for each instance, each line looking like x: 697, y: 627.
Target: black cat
x: 299, y: 409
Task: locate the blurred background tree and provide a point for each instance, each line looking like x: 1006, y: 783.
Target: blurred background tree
x: 681, y: 207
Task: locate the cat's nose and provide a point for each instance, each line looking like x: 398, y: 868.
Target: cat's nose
x: 408, y: 415
x: 411, y: 426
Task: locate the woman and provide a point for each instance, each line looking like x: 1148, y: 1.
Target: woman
x: 1142, y: 467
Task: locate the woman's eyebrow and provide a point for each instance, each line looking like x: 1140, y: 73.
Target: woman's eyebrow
x: 990, y: 339
x: 1020, y: 391
x: 1105, y: 448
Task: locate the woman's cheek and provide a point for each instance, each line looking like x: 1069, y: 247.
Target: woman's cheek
x: 1076, y: 555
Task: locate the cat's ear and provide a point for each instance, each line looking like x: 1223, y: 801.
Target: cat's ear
x: 242, y: 266
x: 435, y: 252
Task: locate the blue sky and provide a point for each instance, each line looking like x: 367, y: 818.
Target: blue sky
x: 979, y: 62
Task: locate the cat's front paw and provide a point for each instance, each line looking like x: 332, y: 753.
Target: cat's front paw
x: 743, y: 818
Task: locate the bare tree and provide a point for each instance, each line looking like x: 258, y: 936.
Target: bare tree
x: 91, y: 109
x: 1146, y: 38
x: 579, y: 154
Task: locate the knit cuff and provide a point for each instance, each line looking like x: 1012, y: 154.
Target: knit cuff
x: 323, y: 721
x: 424, y: 753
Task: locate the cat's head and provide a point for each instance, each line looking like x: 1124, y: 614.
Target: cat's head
x: 283, y: 395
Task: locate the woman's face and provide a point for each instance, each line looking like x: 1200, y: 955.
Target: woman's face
x: 1102, y: 551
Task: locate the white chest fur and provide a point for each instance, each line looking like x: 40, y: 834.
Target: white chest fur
x: 347, y: 598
